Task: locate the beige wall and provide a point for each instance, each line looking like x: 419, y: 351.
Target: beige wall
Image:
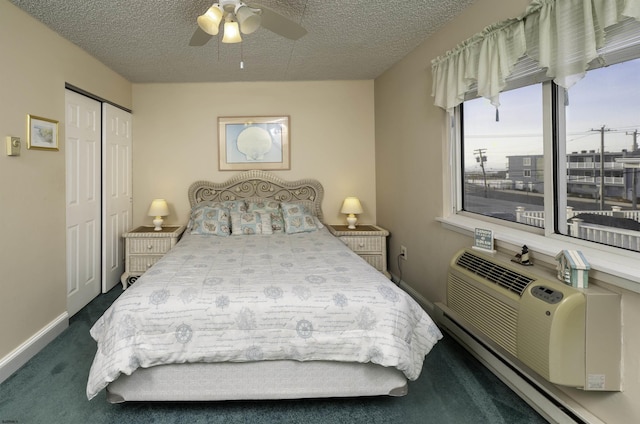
x: 36, y: 64
x: 176, y: 143
x: 411, y: 165
x: 333, y: 125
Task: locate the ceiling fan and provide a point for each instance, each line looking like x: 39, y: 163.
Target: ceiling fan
x: 239, y: 17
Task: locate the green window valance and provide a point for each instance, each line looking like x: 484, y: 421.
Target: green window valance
x: 563, y: 39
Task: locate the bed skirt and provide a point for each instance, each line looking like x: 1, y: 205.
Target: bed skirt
x: 256, y: 381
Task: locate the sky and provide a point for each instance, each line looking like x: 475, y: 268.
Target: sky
x: 607, y: 96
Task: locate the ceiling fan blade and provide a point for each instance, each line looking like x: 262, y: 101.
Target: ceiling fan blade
x: 199, y: 38
x: 275, y: 22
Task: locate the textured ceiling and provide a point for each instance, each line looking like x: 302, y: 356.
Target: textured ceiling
x: 148, y: 41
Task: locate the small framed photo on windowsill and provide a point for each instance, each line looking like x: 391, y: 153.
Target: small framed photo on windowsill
x: 483, y: 240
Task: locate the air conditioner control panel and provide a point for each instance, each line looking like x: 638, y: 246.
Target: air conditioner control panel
x: 547, y: 294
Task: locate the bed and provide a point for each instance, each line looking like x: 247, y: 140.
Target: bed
x: 259, y: 301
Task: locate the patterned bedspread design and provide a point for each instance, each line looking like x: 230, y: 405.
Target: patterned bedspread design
x: 300, y: 296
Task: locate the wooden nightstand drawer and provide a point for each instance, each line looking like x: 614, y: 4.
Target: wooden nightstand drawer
x: 363, y: 244
x: 149, y: 245
x: 141, y: 263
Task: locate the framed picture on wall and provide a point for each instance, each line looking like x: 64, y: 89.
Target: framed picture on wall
x: 253, y: 142
x: 42, y: 133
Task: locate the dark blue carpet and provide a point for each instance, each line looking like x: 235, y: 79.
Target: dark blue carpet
x: 453, y: 388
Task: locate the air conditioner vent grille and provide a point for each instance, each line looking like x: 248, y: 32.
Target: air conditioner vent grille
x: 494, y: 273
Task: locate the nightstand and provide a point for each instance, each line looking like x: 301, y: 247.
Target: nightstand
x: 368, y: 241
x: 144, y: 247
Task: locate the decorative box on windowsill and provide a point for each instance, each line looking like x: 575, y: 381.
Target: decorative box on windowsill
x: 573, y: 268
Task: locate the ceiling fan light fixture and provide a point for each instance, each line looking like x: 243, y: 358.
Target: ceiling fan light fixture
x: 231, y: 32
x: 210, y: 21
x: 249, y: 20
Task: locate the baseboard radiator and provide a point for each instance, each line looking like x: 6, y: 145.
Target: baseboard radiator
x: 545, y: 330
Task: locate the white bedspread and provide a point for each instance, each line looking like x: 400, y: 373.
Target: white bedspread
x: 249, y: 298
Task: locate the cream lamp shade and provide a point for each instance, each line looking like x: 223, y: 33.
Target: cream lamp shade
x: 231, y: 32
x: 351, y: 206
x: 158, y: 209
x: 248, y: 20
x: 210, y: 21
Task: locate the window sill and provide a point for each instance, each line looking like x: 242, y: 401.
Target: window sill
x: 619, y: 268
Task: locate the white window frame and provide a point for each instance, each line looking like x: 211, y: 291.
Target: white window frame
x: 611, y: 265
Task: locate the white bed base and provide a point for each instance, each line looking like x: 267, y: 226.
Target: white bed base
x: 258, y: 380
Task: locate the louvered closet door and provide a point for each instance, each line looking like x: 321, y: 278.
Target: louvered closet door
x: 83, y: 199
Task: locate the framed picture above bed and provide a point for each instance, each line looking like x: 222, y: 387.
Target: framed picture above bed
x: 253, y: 142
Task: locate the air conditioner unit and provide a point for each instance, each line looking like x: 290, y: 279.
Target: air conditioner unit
x: 570, y: 337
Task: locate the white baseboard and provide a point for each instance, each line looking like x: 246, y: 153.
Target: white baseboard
x: 27, y: 350
x: 422, y: 301
x: 426, y: 305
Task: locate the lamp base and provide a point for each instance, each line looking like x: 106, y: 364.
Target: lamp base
x: 158, y: 223
x: 351, y: 222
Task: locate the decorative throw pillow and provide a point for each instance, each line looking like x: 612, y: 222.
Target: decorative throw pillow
x: 297, y: 218
x: 273, y: 208
x: 230, y: 205
x: 250, y: 223
x: 266, y: 204
x: 212, y: 221
x: 235, y: 205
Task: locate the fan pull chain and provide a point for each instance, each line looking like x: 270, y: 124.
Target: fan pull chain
x: 241, y: 57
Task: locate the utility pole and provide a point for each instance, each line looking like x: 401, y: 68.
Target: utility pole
x: 634, y: 176
x: 482, y: 159
x: 601, y: 192
x: 635, y: 140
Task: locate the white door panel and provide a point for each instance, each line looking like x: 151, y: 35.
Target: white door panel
x: 117, y: 191
x: 83, y: 199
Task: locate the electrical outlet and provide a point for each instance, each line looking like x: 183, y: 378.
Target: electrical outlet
x: 403, y: 252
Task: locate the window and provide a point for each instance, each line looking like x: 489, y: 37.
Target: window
x: 602, y: 124
x: 595, y: 139
x: 496, y: 153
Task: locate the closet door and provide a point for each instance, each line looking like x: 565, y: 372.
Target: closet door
x: 117, y: 187
x: 83, y: 199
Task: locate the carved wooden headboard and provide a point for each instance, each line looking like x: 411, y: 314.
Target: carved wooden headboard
x: 251, y: 185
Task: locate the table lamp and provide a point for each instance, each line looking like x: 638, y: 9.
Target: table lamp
x: 158, y: 209
x: 351, y: 206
